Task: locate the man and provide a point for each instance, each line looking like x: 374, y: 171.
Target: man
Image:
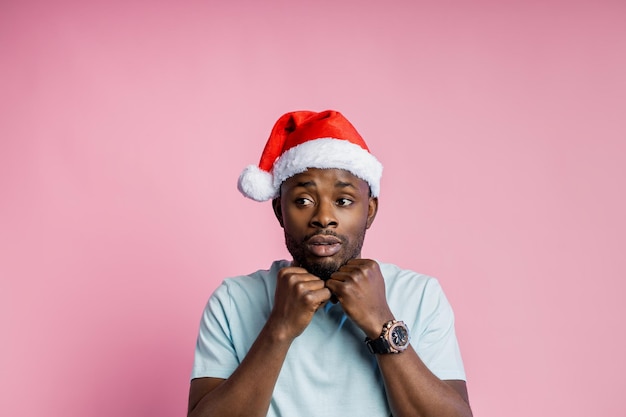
x: 326, y: 334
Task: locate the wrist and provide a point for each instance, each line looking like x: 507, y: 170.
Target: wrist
x: 278, y: 333
x: 374, y: 327
x: 394, y: 338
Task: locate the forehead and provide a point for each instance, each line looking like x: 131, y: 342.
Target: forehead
x: 316, y: 177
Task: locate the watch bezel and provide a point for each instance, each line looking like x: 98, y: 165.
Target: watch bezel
x: 384, y: 343
x: 388, y: 335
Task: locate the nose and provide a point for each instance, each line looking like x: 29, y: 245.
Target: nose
x: 324, y: 216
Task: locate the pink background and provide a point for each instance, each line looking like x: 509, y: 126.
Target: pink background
x: 124, y: 125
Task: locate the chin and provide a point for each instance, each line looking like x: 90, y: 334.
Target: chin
x: 323, y: 268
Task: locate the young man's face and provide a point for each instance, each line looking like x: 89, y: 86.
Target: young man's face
x: 324, y: 213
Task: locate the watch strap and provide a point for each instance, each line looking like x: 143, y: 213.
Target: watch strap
x: 379, y: 345
x: 386, y: 342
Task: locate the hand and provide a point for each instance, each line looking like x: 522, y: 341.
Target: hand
x: 297, y: 298
x: 360, y: 288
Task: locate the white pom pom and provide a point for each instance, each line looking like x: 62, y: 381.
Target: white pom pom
x: 256, y: 184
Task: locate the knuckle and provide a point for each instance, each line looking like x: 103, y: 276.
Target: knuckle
x: 302, y: 287
x: 356, y: 276
x: 285, y: 273
x: 348, y: 286
x: 309, y: 298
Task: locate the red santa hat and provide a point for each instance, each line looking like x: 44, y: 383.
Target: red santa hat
x: 306, y: 139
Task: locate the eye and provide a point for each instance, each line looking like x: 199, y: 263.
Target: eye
x: 342, y: 202
x: 303, y: 201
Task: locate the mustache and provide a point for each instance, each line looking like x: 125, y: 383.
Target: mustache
x: 325, y: 233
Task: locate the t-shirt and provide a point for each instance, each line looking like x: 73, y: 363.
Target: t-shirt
x: 328, y: 370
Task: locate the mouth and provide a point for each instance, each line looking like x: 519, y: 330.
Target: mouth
x: 323, y: 245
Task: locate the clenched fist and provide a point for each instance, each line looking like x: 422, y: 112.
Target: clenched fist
x: 297, y: 298
x: 360, y: 288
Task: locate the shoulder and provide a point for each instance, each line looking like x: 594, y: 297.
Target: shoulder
x: 243, y: 296
x: 408, y: 288
x: 262, y: 281
x: 408, y: 279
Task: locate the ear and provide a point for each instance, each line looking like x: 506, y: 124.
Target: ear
x: 371, y: 211
x: 278, y: 211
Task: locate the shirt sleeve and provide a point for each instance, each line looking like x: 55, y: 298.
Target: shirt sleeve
x: 436, y: 342
x: 215, y: 354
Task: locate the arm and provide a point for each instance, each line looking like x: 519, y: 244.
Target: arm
x: 412, y: 390
x: 248, y: 391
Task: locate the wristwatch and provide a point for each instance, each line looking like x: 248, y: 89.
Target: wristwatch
x: 393, y: 339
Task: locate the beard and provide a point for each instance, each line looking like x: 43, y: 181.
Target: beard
x: 324, y: 267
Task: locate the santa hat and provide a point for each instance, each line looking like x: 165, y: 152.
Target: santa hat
x: 306, y: 139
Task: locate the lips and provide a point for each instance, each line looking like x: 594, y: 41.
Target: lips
x: 323, y: 245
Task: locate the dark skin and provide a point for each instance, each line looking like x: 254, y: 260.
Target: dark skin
x: 324, y: 214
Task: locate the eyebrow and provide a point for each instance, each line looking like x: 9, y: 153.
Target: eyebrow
x: 343, y: 184
x: 338, y: 184
x: 306, y: 184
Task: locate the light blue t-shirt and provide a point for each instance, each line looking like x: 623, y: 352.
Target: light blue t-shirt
x: 328, y: 370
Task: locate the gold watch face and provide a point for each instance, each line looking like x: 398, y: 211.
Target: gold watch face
x: 398, y: 336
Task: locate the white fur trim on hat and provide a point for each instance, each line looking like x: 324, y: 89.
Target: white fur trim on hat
x: 256, y: 184
x: 325, y: 153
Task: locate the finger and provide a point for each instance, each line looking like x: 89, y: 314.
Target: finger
x: 309, y: 286
x: 357, y: 268
x: 365, y: 265
x: 296, y: 274
x: 323, y: 294
x: 346, y: 274
x: 292, y: 270
x: 337, y: 290
x: 360, y: 261
x: 339, y: 282
x: 337, y: 287
x: 332, y: 284
x: 317, y: 297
